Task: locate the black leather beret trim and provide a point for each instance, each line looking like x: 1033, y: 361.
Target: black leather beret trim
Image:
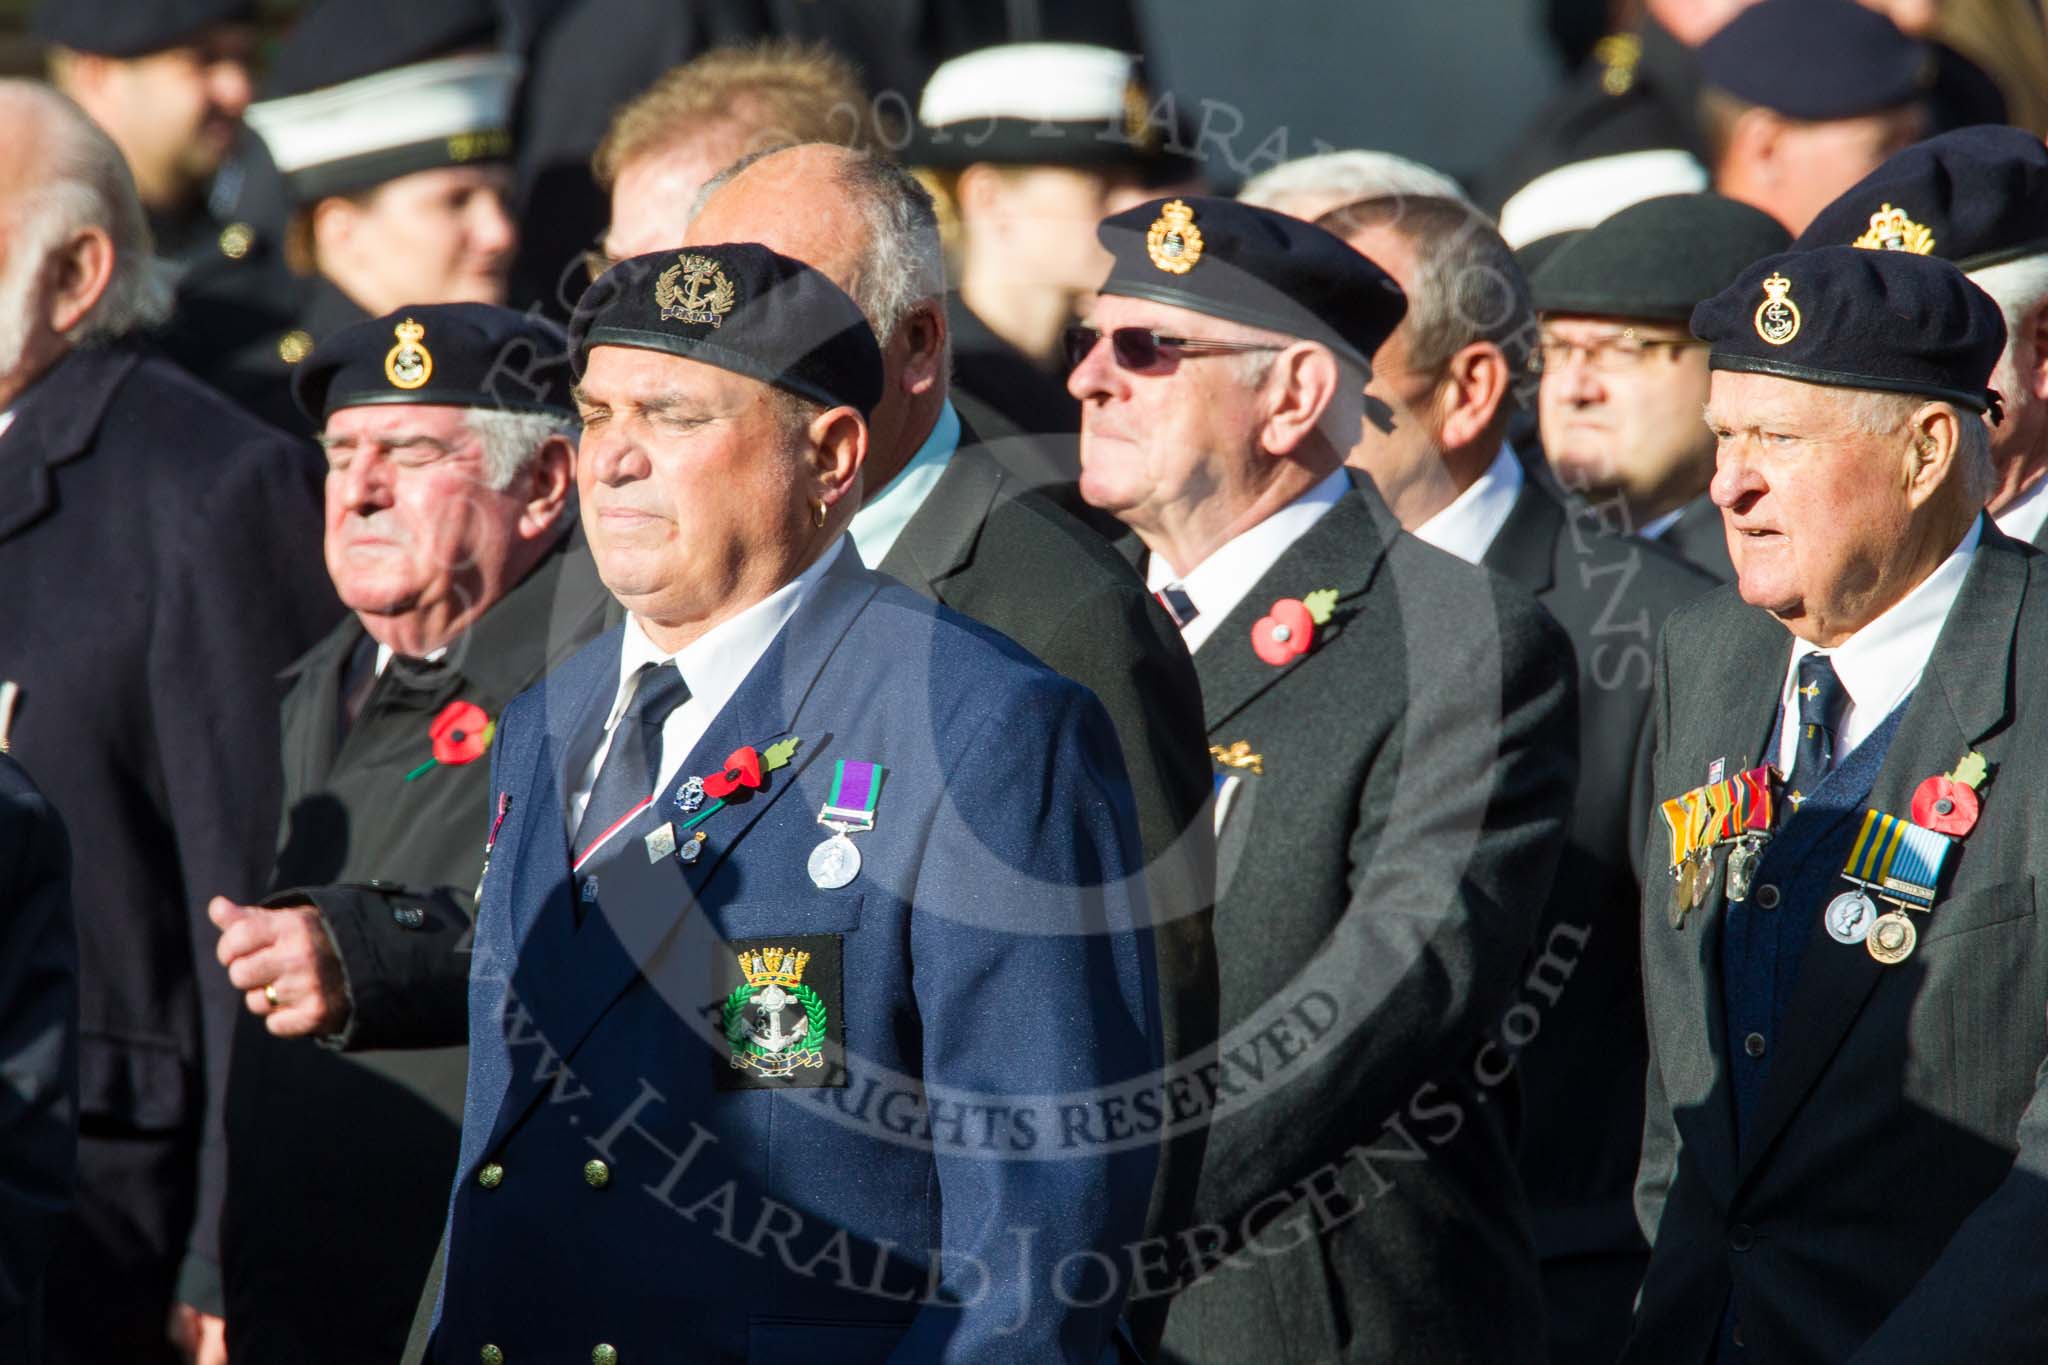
x: 443, y: 398
x: 711, y: 353
x: 1251, y: 317
x: 1984, y: 260
x: 1616, y: 306
x: 1979, y: 401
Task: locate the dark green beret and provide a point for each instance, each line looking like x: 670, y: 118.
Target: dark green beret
x: 1656, y: 259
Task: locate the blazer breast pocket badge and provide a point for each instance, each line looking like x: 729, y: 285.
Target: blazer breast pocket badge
x: 782, y: 1017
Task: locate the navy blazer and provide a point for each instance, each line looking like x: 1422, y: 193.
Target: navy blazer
x: 955, y: 1183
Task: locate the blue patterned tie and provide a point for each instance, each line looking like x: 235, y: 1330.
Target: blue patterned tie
x: 1822, y: 700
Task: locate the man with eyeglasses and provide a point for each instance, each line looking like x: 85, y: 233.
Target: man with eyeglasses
x: 1623, y: 380
x: 1443, y: 389
x: 1393, y: 736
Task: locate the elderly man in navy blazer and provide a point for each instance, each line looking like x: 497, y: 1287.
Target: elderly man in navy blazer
x: 811, y: 1011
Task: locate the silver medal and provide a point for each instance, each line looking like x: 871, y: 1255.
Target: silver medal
x: 1742, y: 861
x: 1849, y: 917
x: 834, y: 863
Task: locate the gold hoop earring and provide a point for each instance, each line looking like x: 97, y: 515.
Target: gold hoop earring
x: 818, y: 515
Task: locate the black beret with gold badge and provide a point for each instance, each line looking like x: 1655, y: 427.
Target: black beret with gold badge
x: 1976, y: 196
x: 1849, y: 318
x: 1254, y: 266
x: 465, y: 355
x: 742, y: 308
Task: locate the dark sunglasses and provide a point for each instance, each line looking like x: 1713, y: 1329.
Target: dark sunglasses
x: 1139, y: 348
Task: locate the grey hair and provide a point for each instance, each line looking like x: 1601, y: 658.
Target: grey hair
x: 904, y: 263
x: 85, y: 183
x: 512, y: 441
x: 1879, y: 413
x: 1332, y: 178
x: 1467, y: 286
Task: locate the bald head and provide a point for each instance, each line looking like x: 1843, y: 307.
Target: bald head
x: 867, y: 225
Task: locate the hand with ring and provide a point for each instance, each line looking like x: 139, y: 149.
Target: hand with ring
x: 284, y: 963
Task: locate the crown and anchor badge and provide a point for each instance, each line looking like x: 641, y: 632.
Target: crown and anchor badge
x: 1174, y: 242
x: 756, y: 1019
x: 408, y: 365
x: 1891, y: 230
x: 1777, y: 317
x: 695, y: 289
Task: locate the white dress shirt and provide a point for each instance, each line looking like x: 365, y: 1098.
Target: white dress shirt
x: 1881, y: 663
x: 385, y: 654
x: 714, y: 665
x: 2022, y: 518
x: 1219, y: 583
x: 6, y: 421
x: 881, y: 519
x: 1467, y: 527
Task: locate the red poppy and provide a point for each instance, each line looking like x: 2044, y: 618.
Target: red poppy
x: 1285, y: 633
x: 742, y: 769
x: 1945, y: 806
x: 461, y: 733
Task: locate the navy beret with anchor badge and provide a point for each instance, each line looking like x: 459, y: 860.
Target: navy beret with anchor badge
x: 1254, y: 266
x: 1976, y: 196
x: 465, y: 355
x: 742, y: 308
x: 1856, y: 319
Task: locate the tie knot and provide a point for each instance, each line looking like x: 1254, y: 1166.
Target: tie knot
x: 661, y: 691
x: 1822, y: 698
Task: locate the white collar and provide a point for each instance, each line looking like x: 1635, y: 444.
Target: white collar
x: 385, y: 653
x: 1467, y: 527
x: 1881, y: 664
x: 2022, y: 518
x: 1655, y: 527
x: 6, y: 421
x: 881, y: 519
x: 1219, y: 583
x: 718, y: 661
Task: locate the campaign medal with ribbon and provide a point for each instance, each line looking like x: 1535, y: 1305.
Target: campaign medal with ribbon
x: 1752, y: 811
x: 1685, y: 817
x: 1901, y: 863
x: 849, y: 809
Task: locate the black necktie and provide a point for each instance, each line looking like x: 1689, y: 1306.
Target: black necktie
x: 634, y: 761
x: 1822, y: 700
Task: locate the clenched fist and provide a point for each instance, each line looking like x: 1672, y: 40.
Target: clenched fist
x: 284, y: 963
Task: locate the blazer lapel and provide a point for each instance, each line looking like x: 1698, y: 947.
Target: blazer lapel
x: 573, y: 974
x: 1342, y: 550
x: 938, y: 540
x: 1735, y: 687
x: 1961, y: 699
x: 54, y: 425
x: 1525, y: 548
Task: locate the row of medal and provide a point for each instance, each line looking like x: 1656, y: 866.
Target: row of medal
x: 1892, y: 859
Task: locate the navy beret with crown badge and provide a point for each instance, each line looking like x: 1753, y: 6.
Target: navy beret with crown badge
x: 1849, y: 318
x: 742, y: 308
x: 1976, y: 196
x: 465, y: 355
x: 1253, y: 266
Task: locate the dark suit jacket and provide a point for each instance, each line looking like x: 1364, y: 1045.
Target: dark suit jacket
x: 1388, y: 838
x: 1701, y: 537
x: 1005, y: 556
x: 164, y: 554
x: 1888, y: 1203
x: 988, y: 954
x: 1582, y: 1073
x: 361, y: 1144
x: 38, y: 1054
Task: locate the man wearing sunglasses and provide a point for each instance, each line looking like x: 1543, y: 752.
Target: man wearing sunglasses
x: 1623, y: 381
x: 1393, y: 738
